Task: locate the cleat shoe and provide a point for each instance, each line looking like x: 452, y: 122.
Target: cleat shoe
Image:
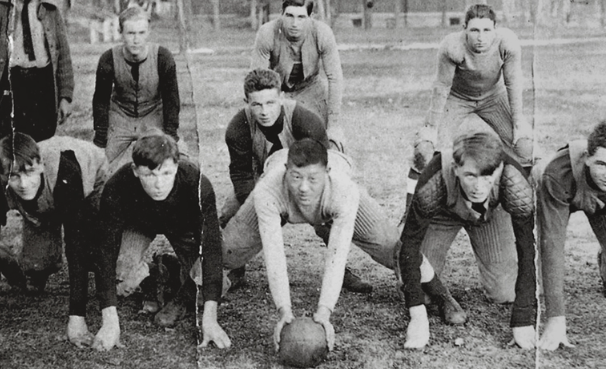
x: 170, y: 315
x: 237, y: 278
x: 451, y: 312
x: 353, y: 283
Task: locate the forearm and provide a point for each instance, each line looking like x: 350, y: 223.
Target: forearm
x: 334, y: 269
x: 334, y: 74
x: 169, y: 88
x: 101, y: 99
x: 524, y: 306
x: 212, y: 257
x: 411, y: 258
x: 65, y: 73
x: 105, y: 268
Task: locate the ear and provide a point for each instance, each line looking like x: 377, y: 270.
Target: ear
x: 134, y: 168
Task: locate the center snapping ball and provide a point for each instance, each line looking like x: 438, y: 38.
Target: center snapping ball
x: 303, y: 343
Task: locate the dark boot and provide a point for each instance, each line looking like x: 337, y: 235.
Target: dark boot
x: 353, y: 283
x: 11, y: 270
x: 170, y: 314
x: 237, y: 278
x: 450, y: 310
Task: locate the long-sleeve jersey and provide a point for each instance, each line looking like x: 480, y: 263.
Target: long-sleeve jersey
x: 245, y: 165
x: 167, y: 86
x: 318, y: 47
x: 439, y: 192
x: 470, y: 75
x: 339, y: 205
x: 190, y: 208
x: 566, y: 187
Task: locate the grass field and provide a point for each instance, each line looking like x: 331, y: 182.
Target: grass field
x: 385, y: 98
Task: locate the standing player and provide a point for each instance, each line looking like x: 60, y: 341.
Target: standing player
x: 268, y: 124
x: 574, y: 180
x: 136, y: 89
x: 295, y: 45
x: 307, y: 184
x: 160, y: 194
x: 472, y: 187
x: 479, y: 72
x: 40, y: 84
x: 56, y: 183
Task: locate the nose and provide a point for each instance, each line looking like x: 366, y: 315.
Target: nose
x: 304, y: 186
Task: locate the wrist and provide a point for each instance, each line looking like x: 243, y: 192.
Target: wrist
x: 285, y: 310
x: 109, y: 315
x: 417, y: 312
x: 76, y: 319
x: 323, y: 311
x: 210, y: 311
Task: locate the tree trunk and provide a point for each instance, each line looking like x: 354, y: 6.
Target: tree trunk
x: 254, y: 24
x: 603, y: 12
x: 183, y: 41
x: 367, y: 13
x: 397, y: 9
x: 320, y: 10
x: 216, y: 14
x: 444, y: 15
x: 328, y: 11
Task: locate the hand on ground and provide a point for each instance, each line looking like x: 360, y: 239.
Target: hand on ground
x: 212, y: 332
x: 554, y: 334
x: 417, y: 333
x: 77, y: 331
x: 524, y: 337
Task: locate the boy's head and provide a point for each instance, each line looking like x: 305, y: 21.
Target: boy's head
x: 263, y: 96
x: 134, y: 27
x: 155, y: 163
x: 596, y: 160
x: 306, y: 171
x: 479, y: 25
x: 478, y: 159
x: 21, y: 166
x: 296, y: 17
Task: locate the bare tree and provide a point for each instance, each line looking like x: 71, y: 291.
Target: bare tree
x: 183, y: 40
x: 216, y: 14
x: 397, y: 9
x: 367, y: 13
x: 254, y: 24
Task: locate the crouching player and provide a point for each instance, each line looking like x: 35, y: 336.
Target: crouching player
x: 472, y: 187
x: 55, y: 183
x: 575, y: 179
x: 159, y: 194
x: 307, y: 184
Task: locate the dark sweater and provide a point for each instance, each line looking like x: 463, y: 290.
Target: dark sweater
x: 190, y: 207
x: 169, y: 88
x: 432, y: 197
x: 305, y: 124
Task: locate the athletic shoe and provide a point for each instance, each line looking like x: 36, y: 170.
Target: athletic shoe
x: 451, y: 311
x: 170, y: 314
x: 353, y: 283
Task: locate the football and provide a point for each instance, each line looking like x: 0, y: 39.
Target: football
x: 303, y: 343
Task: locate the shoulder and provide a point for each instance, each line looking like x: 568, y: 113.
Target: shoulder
x: 431, y: 192
x: 559, y: 167
x: 508, y: 40
x: 236, y: 126
x: 107, y: 56
x: 267, y: 30
x: 165, y: 55
x: 517, y: 193
x: 303, y: 114
x: 50, y: 4
x: 453, y: 46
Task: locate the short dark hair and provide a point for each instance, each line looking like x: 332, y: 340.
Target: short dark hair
x: 307, y: 152
x: 308, y: 4
x: 135, y: 12
x: 597, y: 138
x: 17, y: 151
x: 483, y: 147
x: 261, y: 79
x: 480, y: 11
x: 153, y: 149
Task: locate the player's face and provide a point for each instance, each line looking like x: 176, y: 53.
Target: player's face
x: 480, y: 34
x: 26, y: 184
x: 295, y: 20
x: 597, y: 168
x: 476, y: 187
x: 306, y: 184
x: 134, y: 35
x: 266, y: 106
x: 159, y: 182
